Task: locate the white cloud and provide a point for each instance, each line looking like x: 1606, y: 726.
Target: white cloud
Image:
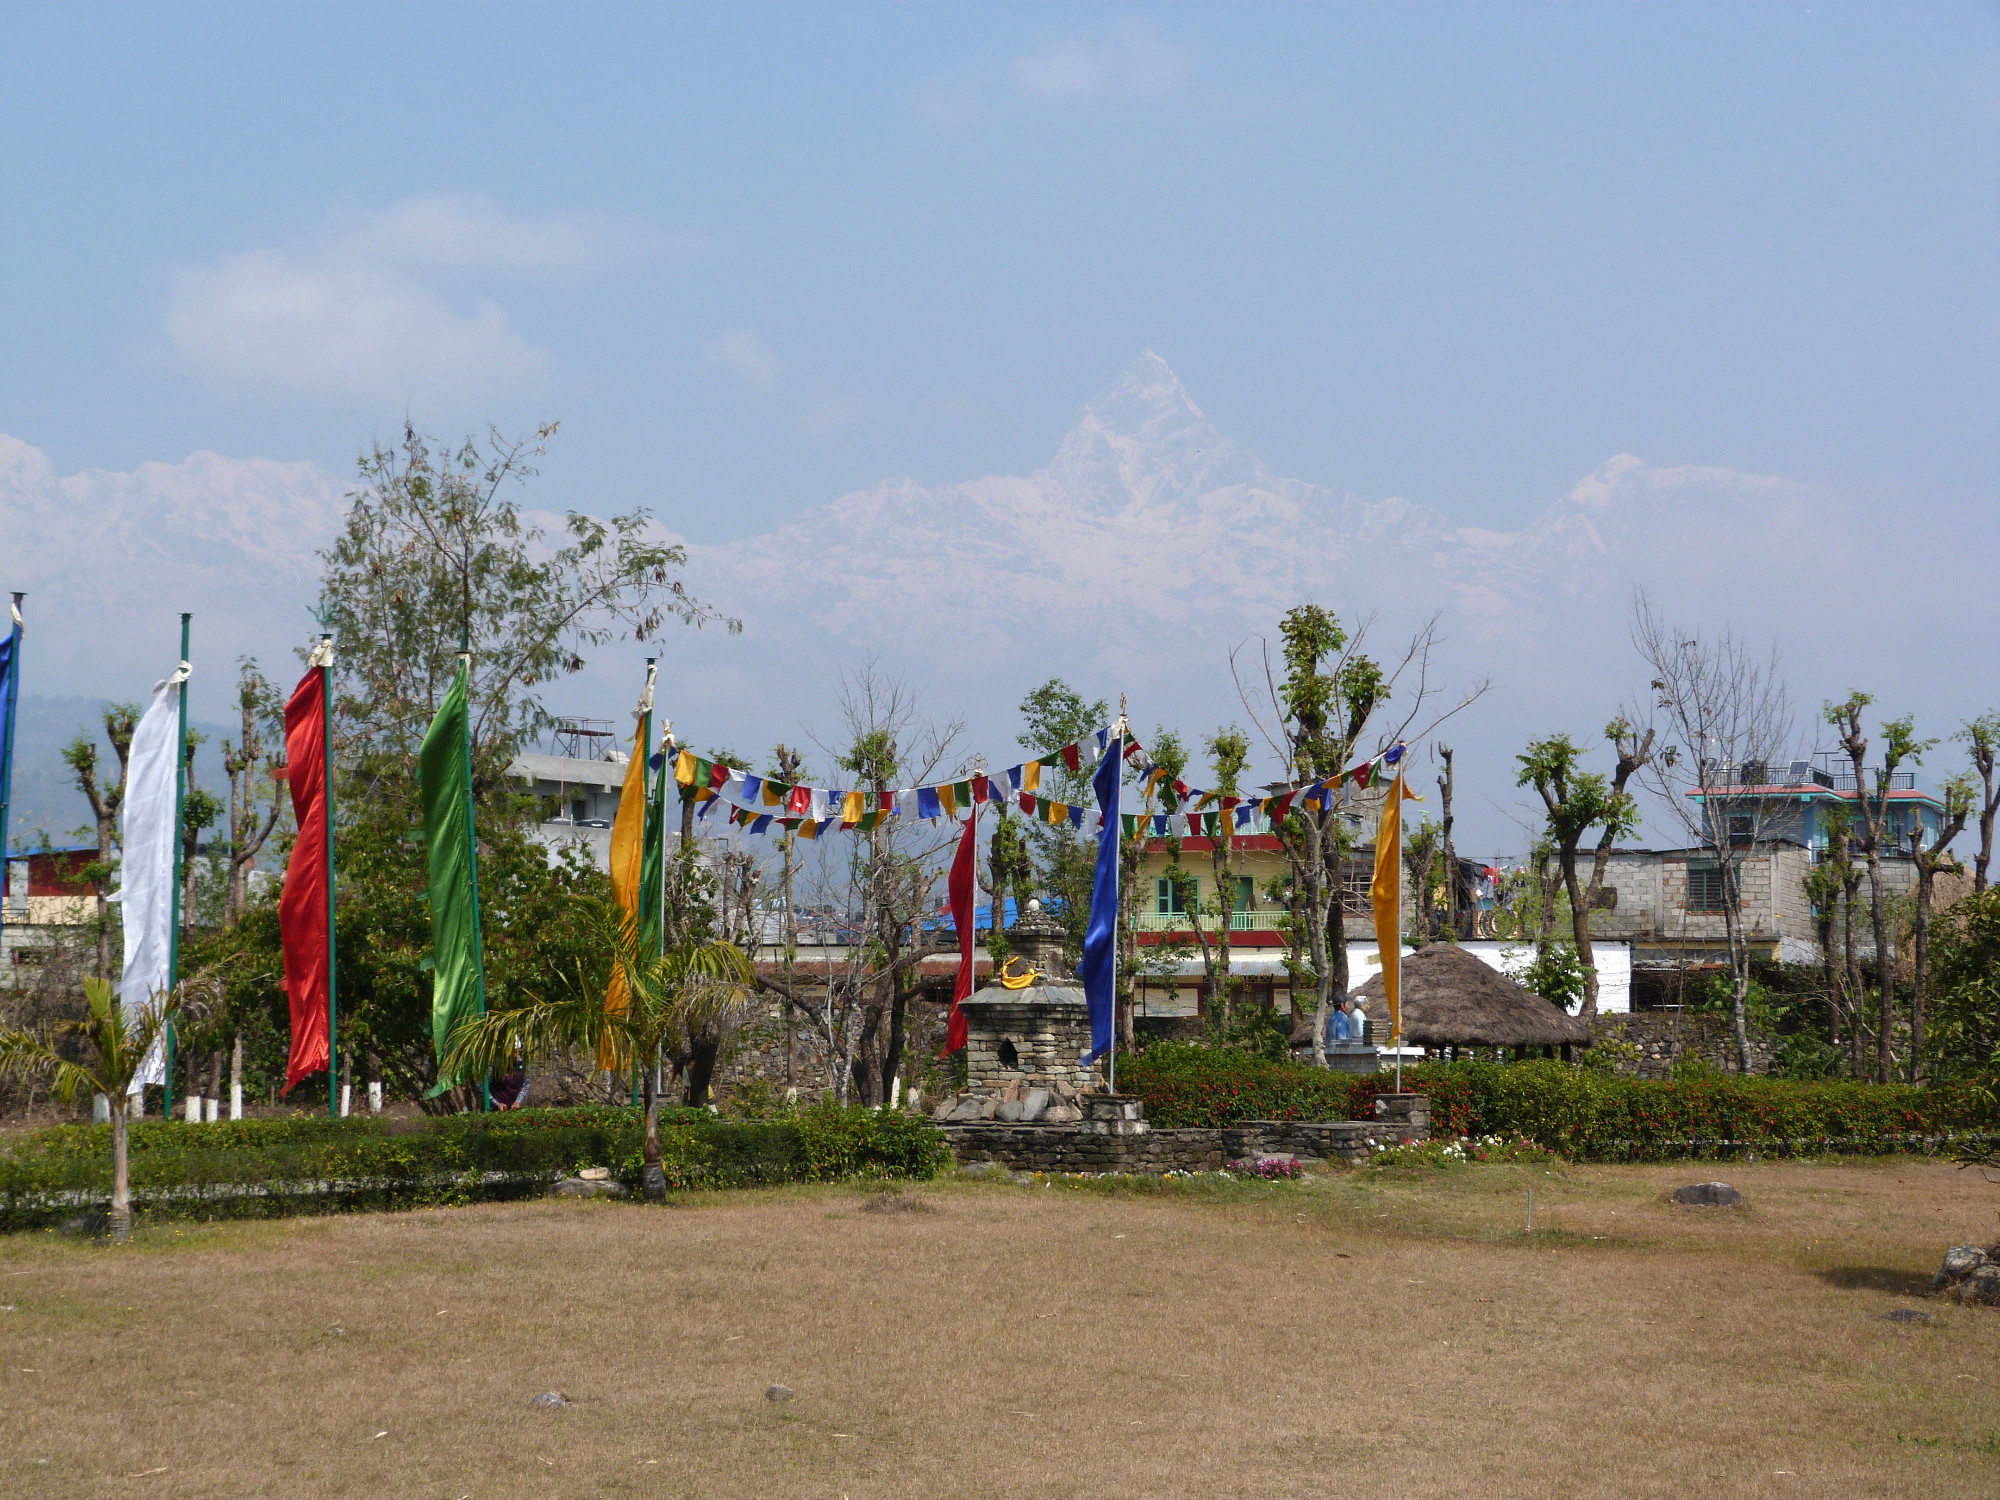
x: 747, y: 357
x: 388, y: 303
x: 269, y: 318
x: 1130, y: 60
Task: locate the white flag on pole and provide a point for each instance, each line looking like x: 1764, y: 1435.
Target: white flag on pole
x: 147, y: 871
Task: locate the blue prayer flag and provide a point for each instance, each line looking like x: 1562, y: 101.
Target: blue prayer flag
x: 1099, y: 969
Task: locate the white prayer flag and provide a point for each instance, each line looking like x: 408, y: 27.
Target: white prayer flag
x: 146, y: 887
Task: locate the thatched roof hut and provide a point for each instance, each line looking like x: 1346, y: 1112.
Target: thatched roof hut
x: 1452, y: 999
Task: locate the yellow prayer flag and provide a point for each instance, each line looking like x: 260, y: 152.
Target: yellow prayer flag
x: 852, y: 807
x: 1031, y: 776
x: 1386, y: 891
x: 628, y: 840
x: 947, y: 800
x: 684, y: 768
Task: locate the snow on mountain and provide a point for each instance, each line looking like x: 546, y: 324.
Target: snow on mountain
x: 109, y: 560
x: 1148, y: 520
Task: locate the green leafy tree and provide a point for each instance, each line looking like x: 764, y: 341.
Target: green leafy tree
x: 1575, y: 801
x: 434, y: 559
x: 1053, y: 715
x: 668, y: 995
x: 1963, y: 1039
x: 1328, y: 693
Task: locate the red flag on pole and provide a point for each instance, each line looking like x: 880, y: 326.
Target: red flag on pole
x: 961, y: 889
x: 302, y: 903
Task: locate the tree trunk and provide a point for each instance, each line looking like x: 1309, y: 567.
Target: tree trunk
x: 1312, y: 873
x: 121, y: 1175
x: 1579, y: 921
x: 1920, y: 958
x: 1739, y: 961
x: 1824, y: 924
x: 701, y: 1070
x: 236, y: 1079
x: 1885, y: 1048
x: 892, y: 1054
x: 1854, y: 989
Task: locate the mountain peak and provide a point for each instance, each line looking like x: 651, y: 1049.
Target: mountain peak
x: 1146, y: 437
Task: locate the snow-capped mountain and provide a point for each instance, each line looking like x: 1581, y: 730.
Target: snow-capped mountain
x: 1149, y: 519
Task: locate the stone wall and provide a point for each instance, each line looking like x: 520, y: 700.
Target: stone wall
x: 1663, y: 1037
x: 1087, y: 1147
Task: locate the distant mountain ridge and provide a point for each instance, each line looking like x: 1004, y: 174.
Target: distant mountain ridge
x: 1149, y: 518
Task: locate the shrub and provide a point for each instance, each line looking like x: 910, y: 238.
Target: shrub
x: 256, y: 1168
x: 1578, y: 1112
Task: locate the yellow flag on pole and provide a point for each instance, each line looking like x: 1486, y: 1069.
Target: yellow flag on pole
x: 628, y: 847
x: 1386, y: 892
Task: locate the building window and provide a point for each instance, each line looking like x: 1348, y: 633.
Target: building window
x: 1246, y: 893
x: 1704, y: 892
x: 1167, y: 896
x: 1741, y: 828
x: 579, y: 809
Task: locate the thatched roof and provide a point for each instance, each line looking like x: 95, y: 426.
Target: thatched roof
x: 1452, y: 999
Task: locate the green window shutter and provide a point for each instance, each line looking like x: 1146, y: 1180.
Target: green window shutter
x: 1163, y: 896
x: 1246, y: 893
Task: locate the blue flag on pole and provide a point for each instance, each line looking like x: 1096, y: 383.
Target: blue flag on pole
x: 10, y: 694
x: 1099, y: 969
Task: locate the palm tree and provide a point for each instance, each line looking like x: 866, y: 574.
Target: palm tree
x: 666, y: 996
x: 116, y: 1046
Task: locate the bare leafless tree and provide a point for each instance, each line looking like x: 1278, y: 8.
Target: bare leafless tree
x: 1726, y: 716
x: 247, y: 764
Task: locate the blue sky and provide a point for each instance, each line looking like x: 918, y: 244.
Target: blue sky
x: 755, y: 257
x: 1455, y: 253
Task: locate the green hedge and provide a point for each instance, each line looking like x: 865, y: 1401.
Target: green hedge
x: 1581, y: 1113
x: 253, y: 1168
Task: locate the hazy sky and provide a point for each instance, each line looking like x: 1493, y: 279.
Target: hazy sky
x: 756, y: 257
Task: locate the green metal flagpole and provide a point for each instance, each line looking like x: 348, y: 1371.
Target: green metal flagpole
x: 326, y: 751
x: 472, y: 857
x: 180, y: 814
x: 15, y: 630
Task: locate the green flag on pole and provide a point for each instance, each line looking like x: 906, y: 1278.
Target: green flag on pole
x: 652, y: 859
x: 444, y: 767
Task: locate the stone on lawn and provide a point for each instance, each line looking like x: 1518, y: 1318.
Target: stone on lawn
x: 1708, y: 1195
x: 1907, y: 1315
x: 550, y: 1399
x: 778, y: 1393
x: 979, y: 1169
x: 1960, y: 1262
x: 1982, y: 1286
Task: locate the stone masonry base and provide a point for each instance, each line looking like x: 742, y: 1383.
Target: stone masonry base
x: 1082, y: 1148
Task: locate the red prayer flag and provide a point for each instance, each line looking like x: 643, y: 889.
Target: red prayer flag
x: 979, y: 784
x: 1072, y: 758
x: 302, y: 914
x: 961, y: 889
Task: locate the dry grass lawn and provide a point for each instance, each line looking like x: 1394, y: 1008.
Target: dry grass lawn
x: 1367, y: 1334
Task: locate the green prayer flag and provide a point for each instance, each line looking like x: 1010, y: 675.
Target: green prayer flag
x: 652, y: 861
x: 458, y: 981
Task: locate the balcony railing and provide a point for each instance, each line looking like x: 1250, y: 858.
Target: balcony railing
x: 1239, y: 921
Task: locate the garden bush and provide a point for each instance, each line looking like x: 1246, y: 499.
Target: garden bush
x: 255, y: 1168
x: 1581, y: 1113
